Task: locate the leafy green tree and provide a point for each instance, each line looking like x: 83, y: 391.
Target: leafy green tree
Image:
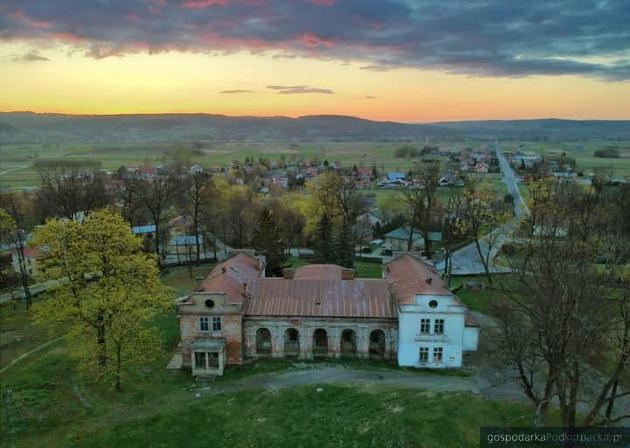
x: 268, y: 240
x: 108, y: 290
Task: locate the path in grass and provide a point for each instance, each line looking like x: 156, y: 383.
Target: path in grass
x: 303, y: 374
x: 30, y: 352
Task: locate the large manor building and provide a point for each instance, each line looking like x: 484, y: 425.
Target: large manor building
x: 322, y: 310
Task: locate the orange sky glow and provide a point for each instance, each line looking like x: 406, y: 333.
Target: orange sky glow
x: 48, y: 69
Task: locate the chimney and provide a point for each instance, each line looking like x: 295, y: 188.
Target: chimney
x: 347, y: 274
x: 223, y: 269
x: 244, y: 289
x: 429, y: 280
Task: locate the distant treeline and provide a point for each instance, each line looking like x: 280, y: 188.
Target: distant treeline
x: 412, y: 151
x: 609, y: 152
x: 57, y: 164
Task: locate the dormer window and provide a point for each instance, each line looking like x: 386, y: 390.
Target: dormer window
x: 210, y: 303
x: 433, y: 304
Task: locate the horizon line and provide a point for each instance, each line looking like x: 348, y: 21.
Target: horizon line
x: 296, y: 117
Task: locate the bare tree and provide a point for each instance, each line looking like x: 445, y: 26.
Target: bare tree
x: 564, y: 323
x: 128, y: 191
x: 157, y: 195
x: 197, y: 192
x: 20, y: 221
x: 422, y: 202
x: 71, y: 189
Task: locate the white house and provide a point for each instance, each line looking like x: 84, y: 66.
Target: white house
x: 434, y: 326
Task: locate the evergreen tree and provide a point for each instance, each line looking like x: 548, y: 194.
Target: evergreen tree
x: 324, y: 250
x: 268, y: 240
x: 344, y: 246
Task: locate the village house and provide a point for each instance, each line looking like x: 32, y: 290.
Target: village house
x: 398, y: 239
x: 31, y: 254
x: 322, y: 311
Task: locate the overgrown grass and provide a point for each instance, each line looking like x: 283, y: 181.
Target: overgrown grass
x: 368, y: 269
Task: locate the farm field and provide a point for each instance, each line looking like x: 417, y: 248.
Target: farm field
x: 582, y: 152
x: 16, y: 161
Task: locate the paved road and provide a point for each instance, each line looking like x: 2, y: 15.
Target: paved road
x: 466, y: 261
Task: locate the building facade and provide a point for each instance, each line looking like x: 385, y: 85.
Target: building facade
x: 323, y: 311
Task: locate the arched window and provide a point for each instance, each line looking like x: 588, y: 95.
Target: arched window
x: 377, y: 344
x: 320, y: 342
x: 348, y: 343
x: 291, y: 342
x: 263, y: 342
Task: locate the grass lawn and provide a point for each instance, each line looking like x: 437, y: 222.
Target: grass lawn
x: 18, y: 332
x: 45, y: 403
x: 481, y: 300
x: 363, y: 269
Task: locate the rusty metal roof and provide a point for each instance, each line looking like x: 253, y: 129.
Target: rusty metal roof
x: 320, y: 298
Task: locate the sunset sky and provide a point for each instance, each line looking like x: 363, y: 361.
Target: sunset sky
x: 403, y: 60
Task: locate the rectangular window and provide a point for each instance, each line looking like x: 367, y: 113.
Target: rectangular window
x: 437, y: 354
x: 200, y: 360
x: 204, y: 323
x: 216, y: 324
x: 425, y: 326
x: 423, y: 354
x: 438, y: 326
x: 213, y: 359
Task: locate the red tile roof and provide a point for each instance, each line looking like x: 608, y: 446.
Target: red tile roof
x: 28, y: 252
x: 320, y: 298
x: 410, y: 276
x: 470, y: 320
x: 228, y: 277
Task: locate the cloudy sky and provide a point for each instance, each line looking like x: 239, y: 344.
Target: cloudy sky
x: 406, y: 60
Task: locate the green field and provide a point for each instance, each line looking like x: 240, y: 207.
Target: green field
x: 21, y: 157
x: 582, y: 152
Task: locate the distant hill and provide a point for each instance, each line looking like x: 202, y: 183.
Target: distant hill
x: 24, y: 127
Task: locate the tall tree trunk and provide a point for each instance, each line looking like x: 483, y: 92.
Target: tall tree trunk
x: 24, y: 273
x: 101, y: 343
x: 484, y: 261
x: 118, y: 364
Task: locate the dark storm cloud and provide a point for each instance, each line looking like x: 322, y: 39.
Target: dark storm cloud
x: 475, y: 37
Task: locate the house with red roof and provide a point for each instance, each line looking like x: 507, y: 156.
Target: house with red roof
x: 322, y: 311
